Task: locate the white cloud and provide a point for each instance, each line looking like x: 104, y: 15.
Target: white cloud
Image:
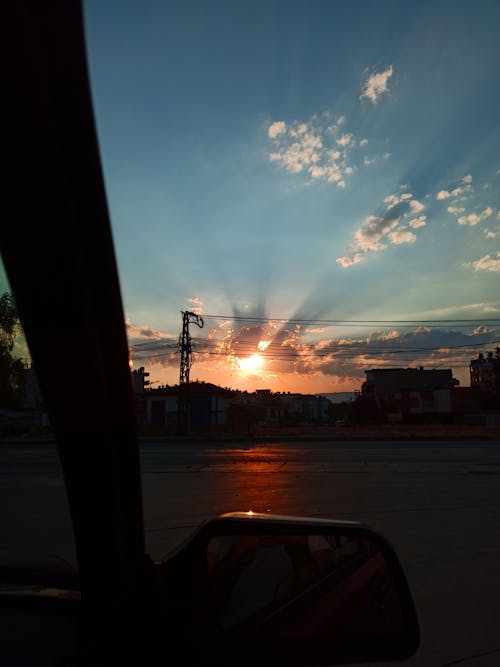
x: 443, y: 194
x: 376, y: 84
x: 471, y: 219
x: 309, y: 147
x: 454, y: 311
x: 418, y: 222
x: 159, y: 347
x: 336, y: 126
x: 363, y: 142
x: 316, y: 171
x: 145, y: 332
x: 197, y: 305
x: 333, y: 173
x: 392, y: 200
x: 395, y: 226
x: 300, y: 154
x: 467, y: 179
x: 299, y: 130
x: 277, y: 128
x: 374, y: 228
x: 459, y: 191
x: 334, y: 155
x: 350, y: 261
x: 455, y: 210
x: 405, y: 197
x: 399, y: 236
x: 416, y: 206
x: 368, y: 161
x: 344, y: 140
x: 488, y: 263
x: 474, y: 218
x: 493, y: 233
x: 446, y: 194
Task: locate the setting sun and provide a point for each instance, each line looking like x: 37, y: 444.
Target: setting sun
x: 252, y: 365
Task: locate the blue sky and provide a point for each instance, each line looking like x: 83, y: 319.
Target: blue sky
x: 309, y: 160
x: 306, y: 160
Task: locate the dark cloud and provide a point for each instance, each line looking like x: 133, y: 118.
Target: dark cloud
x: 343, y: 359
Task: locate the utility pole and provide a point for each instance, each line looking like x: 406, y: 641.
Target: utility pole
x: 186, y: 360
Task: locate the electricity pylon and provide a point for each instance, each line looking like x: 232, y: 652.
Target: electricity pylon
x: 186, y: 360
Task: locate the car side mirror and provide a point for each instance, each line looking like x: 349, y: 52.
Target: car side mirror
x: 266, y: 589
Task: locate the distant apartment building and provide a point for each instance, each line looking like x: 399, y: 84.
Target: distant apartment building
x: 139, y: 387
x: 410, y: 394
x: 207, y: 406
x: 212, y: 409
x: 305, y: 407
x: 482, y: 372
x: 139, y: 382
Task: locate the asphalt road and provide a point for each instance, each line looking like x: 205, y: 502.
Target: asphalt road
x: 437, y: 502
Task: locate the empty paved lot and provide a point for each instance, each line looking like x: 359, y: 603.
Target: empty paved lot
x: 438, y: 502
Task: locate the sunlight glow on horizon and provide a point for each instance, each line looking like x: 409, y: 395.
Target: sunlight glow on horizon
x: 253, y: 365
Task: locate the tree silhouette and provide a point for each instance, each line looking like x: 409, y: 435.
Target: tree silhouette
x: 11, y: 369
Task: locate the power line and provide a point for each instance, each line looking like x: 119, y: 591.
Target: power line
x: 275, y: 351
x: 173, y: 343
x: 292, y: 320
x: 347, y: 346
x: 235, y: 347
x: 402, y: 324
x: 411, y: 353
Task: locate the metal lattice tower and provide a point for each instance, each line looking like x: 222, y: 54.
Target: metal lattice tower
x: 185, y: 365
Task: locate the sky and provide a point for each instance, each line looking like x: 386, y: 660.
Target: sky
x: 319, y: 180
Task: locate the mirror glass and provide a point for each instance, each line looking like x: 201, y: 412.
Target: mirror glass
x: 301, y: 585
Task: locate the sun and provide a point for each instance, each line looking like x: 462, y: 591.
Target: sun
x: 252, y: 365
